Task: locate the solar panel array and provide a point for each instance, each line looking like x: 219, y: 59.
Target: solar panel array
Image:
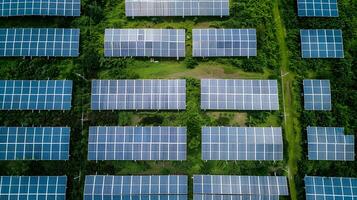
x: 40, y: 7
x: 230, y: 94
x: 321, y: 43
x: 140, y: 8
x: 144, y: 43
x: 224, y: 42
x: 35, y: 95
x: 317, y: 8
x: 139, y: 94
x: 242, y: 143
x: 330, y: 188
x: 317, y: 95
x: 330, y: 143
x: 33, y: 187
x: 39, y: 42
x: 136, y: 187
x: 137, y: 143
x: 216, y: 187
x: 34, y: 143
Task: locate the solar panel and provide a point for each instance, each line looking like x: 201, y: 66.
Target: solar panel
x: 140, y: 8
x: 39, y: 42
x: 317, y: 8
x: 230, y: 94
x: 330, y: 143
x: 330, y: 188
x: 33, y: 187
x: 224, y: 42
x: 321, y: 43
x: 136, y: 187
x: 138, y: 94
x: 144, y: 43
x: 10, y: 8
x: 137, y: 143
x: 317, y: 95
x: 35, y: 95
x: 239, y: 187
x: 30, y: 143
x: 242, y: 143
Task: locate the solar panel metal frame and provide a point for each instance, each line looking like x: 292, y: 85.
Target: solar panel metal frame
x: 242, y: 143
x: 33, y: 187
x: 152, y: 94
x: 317, y: 95
x: 147, y: 8
x: 35, y: 94
x: 234, y: 94
x: 39, y: 42
x: 330, y: 188
x: 321, y: 43
x: 34, y: 143
x: 330, y: 143
x: 137, y: 143
x: 144, y: 43
x: 224, y: 42
x: 172, y: 187
x: 67, y: 8
x: 317, y: 8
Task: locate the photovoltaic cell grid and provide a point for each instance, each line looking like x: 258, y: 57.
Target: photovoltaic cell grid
x: 33, y: 187
x: 138, y: 94
x: 230, y: 94
x: 330, y: 188
x: 144, y: 43
x: 182, y: 8
x: 136, y: 187
x: 35, y: 95
x: 40, y: 7
x: 39, y: 42
x: 321, y: 43
x: 317, y: 8
x: 330, y: 143
x: 224, y: 42
x: 30, y: 143
x: 317, y: 95
x: 137, y: 143
x: 239, y: 187
x: 239, y: 143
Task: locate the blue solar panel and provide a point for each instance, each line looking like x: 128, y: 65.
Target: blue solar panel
x: 330, y: 188
x: 230, y: 94
x: 136, y: 187
x: 321, y: 43
x: 137, y: 143
x: 330, y: 143
x: 233, y: 197
x: 30, y: 143
x: 39, y: 42
x: 177, y: 8
x: 33, y: 187
x: 317, y: 95
x: 35, y: 95
x: 138, y: 95
x: 239, y: 143
x: 317, y: 8
x: 144, y: 43
x: 40, y: 7
x: 224, y: 42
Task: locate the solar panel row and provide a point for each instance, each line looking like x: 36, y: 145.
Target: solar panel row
x: 238, y: 143
x: 233, y: 197
x: 9, y: 8
x: 140, y: 8
x: 35, y: 95
x: 317, y: 95
x: 317, y: 8
x: 34, y: 143
x: 137, y: 143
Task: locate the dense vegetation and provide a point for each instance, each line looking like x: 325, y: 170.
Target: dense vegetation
x: 91, y: 64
